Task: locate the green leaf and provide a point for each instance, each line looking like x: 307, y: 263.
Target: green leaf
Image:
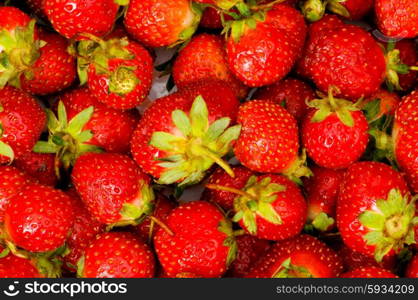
x: 345, y: 117
x: 45, y: 147
x: 7, y: 151
x: 373, y: 237
x: 322, y: 222
x: 372, y: 220
x: 216, y: 129
x: 321, y: 114
x: 80, y: 267
x: 372, y: 109
x: 164, y: 141
x: 62, y: 115
x: 79, y: 121
x: 85, y: 136
x: 52, y: 121
x: 199, y: 116
x: 250, y: 221
x: 131, y: 212
x: 182, y: 122
x: 231, y: 134
x: 238, y: 216
x: 267, y: 211
x: 172, y: 176
x: 237, y: 30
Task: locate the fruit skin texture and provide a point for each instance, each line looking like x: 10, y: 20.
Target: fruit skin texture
x: 219, y: 176
x: 22, y: 120
x: 357, y: 8
x: 405, y: 140
x: 293, y: 93
x: 71, y: 18
x: 46, y: 211
x: 412, y: 269
x: 304, y: 251
x: 204, y: 57
x: 118, y: 255
x: 143, y: 68
x: 197, y: 245
x: 331, y: 143
x: 54, y: 70
x: 158, y: 23
x: 12, y: 266
x: 39, y: 166
x: 368, y: 272
x: 106, y: 182
x: 13, y: 181
x: 269, y: 137
x: 112, y: 128
x: 397, y: 18
x: 13, y: 17
x: 364, y: 183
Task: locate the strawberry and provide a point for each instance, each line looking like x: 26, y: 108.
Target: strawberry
x: 291, y: 93
x: 412, y: 269
x: 409, y: 57
x: 117, y: 255
x: 12, y: 266
x: 13, y: 181
x: 397, y: 18
x: 204, y: 57
x: 301, y: 256
x: 38, y: 218
x: 211, y: 18
x: 162, y: 208
x: 201, y: 241
x: 158, y: 23
x: 404, y: 133
x: 53, y: 71
x: 72, y: 18
x: 249, y: 250
x: 182, y: 135
x: 269, y: 139
x: 40, y: 166
x: 368, y: 272
x: 269, y: 206
x: 22, y: 121
x: 375, y: 214
x: 313, y: 10
x: 322, y: 192
x: 223, y: 198
x: 113, y: 188
x: 335, y: 132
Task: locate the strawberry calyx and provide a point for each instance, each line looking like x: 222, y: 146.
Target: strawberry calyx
x: 225, y: 226
x: 321, y: 222
x: 195, y: 146
x: 299, y: 168
x: 289, y: 270
x: 391, y: 225
x: 5, y: 149
x: 394, y: 67
x: 67, y: 139
x: 314, y: 10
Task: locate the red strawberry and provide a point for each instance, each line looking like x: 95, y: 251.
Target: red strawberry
x: 369, y: 272
x: 404, y: 136
x: 158, y: 23
x: 301, y: 256
x: 335, y: 132
x: 375, y: 214
x: 291, y: 92
x: 397, y: 18
x: 250, y: 249
x: 162, y: 208
x: 39, y: 166
x: 219, y: 177
x: 12, y: 266
x: 117, y: 255
x: 53, y: 71
x: 201, y: 241
x: 113, y: 188
x: 211, y: 18
x: 182, y: 135
x: 13, y: 181
x: 412, y: 270
x: 22, y: 121
x: 72, y: 18
x: 205, y: 58
x: 349, y: 9
x: 322, y: 192
x: 38, y: 218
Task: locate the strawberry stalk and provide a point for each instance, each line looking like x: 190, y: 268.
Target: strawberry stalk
x: 394, y: 67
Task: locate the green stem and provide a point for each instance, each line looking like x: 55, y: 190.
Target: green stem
x: 231, y: 190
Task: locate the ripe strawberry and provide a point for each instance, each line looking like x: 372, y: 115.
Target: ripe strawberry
x: 53, y: 71
x: 72, y: 18
x: 291, y: 93
x: 182, y: 135
x: 219, y: 177
x: 13, y: 181
x: 162, y: 208
x: 369, y: 272
x: 375, y: 214
x: 250, y: 249
x: 201, y: 241
x: 40, y: 166
x: 117, y: 255
x: 38, y: 218
x: 321, y: 196
x: 22, y: 121
x: 12, y: 266
x: 204, y: 57
x: 349, y: 9
x: 412, y: 270
x: 158, y: 23
x: 211, y: 18
x: 335, y: 132
x: 301, y: 256
x: 113, y: 188
x: 397, y: 18
x: 404, y: 133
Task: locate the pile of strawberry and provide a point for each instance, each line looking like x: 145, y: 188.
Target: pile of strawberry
x: 298, y: 118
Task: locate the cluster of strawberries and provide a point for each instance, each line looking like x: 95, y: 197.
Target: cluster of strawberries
x: 298, y: 118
